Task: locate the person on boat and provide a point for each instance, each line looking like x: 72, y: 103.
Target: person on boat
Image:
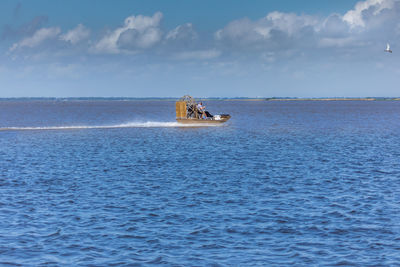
x: 201, y: 109
x: 208, y: 114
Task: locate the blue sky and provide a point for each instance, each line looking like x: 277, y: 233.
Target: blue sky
x: 285, y: 48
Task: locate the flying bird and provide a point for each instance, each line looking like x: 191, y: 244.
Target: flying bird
x: 388, y: 48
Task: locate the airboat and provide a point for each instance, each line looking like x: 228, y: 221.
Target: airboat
x: 187, y: 111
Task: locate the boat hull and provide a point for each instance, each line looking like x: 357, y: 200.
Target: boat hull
x: 208, y: 121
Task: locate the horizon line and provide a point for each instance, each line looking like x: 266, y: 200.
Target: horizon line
x: 209, y: 98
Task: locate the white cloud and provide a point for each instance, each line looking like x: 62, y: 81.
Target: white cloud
x: 243, y: 30
x: 290, y: 23
x: 132, y: 39
x: 356, y: 16
x: 366, y: 24
x: 38, y: 37
x: 76, y: 35
x: 284, y: 25
x: 333, y: 26
x: 137, y: 32
x: 369, y: 23
x: 182, y: 32
x: 199, y: 54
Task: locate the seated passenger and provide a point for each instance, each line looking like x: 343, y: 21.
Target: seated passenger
x: 201, y: 110
x: 208, y: 114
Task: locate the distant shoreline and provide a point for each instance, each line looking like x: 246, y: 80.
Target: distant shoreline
x: 61, y: 99
x: 335, y: 99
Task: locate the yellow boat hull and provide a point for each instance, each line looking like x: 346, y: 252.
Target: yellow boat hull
x: 210, y: 121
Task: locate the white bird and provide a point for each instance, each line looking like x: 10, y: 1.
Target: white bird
x: 388, y: 48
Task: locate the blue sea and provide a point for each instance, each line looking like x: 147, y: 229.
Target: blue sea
x: 119, y: 182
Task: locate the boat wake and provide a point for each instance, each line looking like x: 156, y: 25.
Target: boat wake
x: 148, y: 124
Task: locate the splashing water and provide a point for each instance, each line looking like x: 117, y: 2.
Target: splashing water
x: 148, y: 124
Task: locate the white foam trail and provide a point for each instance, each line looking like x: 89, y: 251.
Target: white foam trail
x: 149, y: 124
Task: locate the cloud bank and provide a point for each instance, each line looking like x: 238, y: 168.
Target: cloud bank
x: 138, y: 32
x: 76, y: 35
x: 37, y: 38
x: 369, y: 23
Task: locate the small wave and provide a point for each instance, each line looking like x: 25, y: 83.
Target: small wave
x: 149, y: 124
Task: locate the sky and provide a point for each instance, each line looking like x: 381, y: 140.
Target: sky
x: 205, y: 48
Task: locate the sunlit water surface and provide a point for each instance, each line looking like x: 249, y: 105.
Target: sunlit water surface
x: 120, y: 183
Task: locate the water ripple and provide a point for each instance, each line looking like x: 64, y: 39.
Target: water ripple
x: 304, y: 184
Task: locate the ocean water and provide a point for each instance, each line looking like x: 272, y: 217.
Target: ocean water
x: 113, y: 182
